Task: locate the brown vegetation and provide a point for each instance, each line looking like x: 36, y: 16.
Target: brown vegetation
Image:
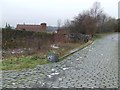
x: 91, y: 22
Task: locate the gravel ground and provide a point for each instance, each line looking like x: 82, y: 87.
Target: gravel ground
x: 95, y: 66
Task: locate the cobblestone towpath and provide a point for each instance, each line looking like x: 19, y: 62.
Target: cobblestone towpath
x: 95, y: 66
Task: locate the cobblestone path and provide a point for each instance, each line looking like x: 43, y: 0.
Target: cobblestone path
x: 95, y: 66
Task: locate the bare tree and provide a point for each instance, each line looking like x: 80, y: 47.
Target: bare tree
x: 110, y: 25
x: 59, y: 23
x: 103, y: 19
x: 118, y: 27
x: 91, y: 21
x: 96, y: 11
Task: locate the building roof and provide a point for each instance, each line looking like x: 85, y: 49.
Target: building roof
x: 37, y: 28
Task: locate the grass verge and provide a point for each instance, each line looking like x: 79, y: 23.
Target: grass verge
x: 19, y: 63
x: 22, y: 62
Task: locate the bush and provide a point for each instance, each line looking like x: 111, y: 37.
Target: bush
x: 12, y: 39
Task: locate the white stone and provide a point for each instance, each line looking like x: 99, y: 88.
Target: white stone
x: 60, y: 79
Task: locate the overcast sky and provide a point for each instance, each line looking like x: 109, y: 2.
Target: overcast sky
x: 37, y: 11
x: 119, y: 9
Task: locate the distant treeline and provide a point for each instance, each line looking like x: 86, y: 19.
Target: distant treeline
x: 118, y: 25
x: 12, y: 39
x: 92, y: 21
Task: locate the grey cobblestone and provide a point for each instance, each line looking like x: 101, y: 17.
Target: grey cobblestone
x: 92, y: 67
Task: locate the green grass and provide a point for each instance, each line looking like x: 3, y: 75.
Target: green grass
x: 23, y: 62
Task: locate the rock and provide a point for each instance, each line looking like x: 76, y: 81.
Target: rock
x: 53, y: 57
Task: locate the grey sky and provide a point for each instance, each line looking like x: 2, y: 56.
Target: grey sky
x: 119, y: 9
x: 49, y: 11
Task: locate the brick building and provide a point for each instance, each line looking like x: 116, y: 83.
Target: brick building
x: 37, y: 28
x: 61, y: 36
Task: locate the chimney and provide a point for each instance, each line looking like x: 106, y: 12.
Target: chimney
x: 43, y: 26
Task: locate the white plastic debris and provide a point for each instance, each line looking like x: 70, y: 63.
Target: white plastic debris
x: 49, y: 76
x: 52, y: 74
x: 65, y: 68
x: 54, y: 46
x: 13, y: 83
x: 77, y: 59
x: 21, y: 51
x: 56, y: 73
x: 52, y: 69
x: 13, y: 52
x: 102, y: 54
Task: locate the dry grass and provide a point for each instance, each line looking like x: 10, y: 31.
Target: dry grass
x: 22, y: 62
